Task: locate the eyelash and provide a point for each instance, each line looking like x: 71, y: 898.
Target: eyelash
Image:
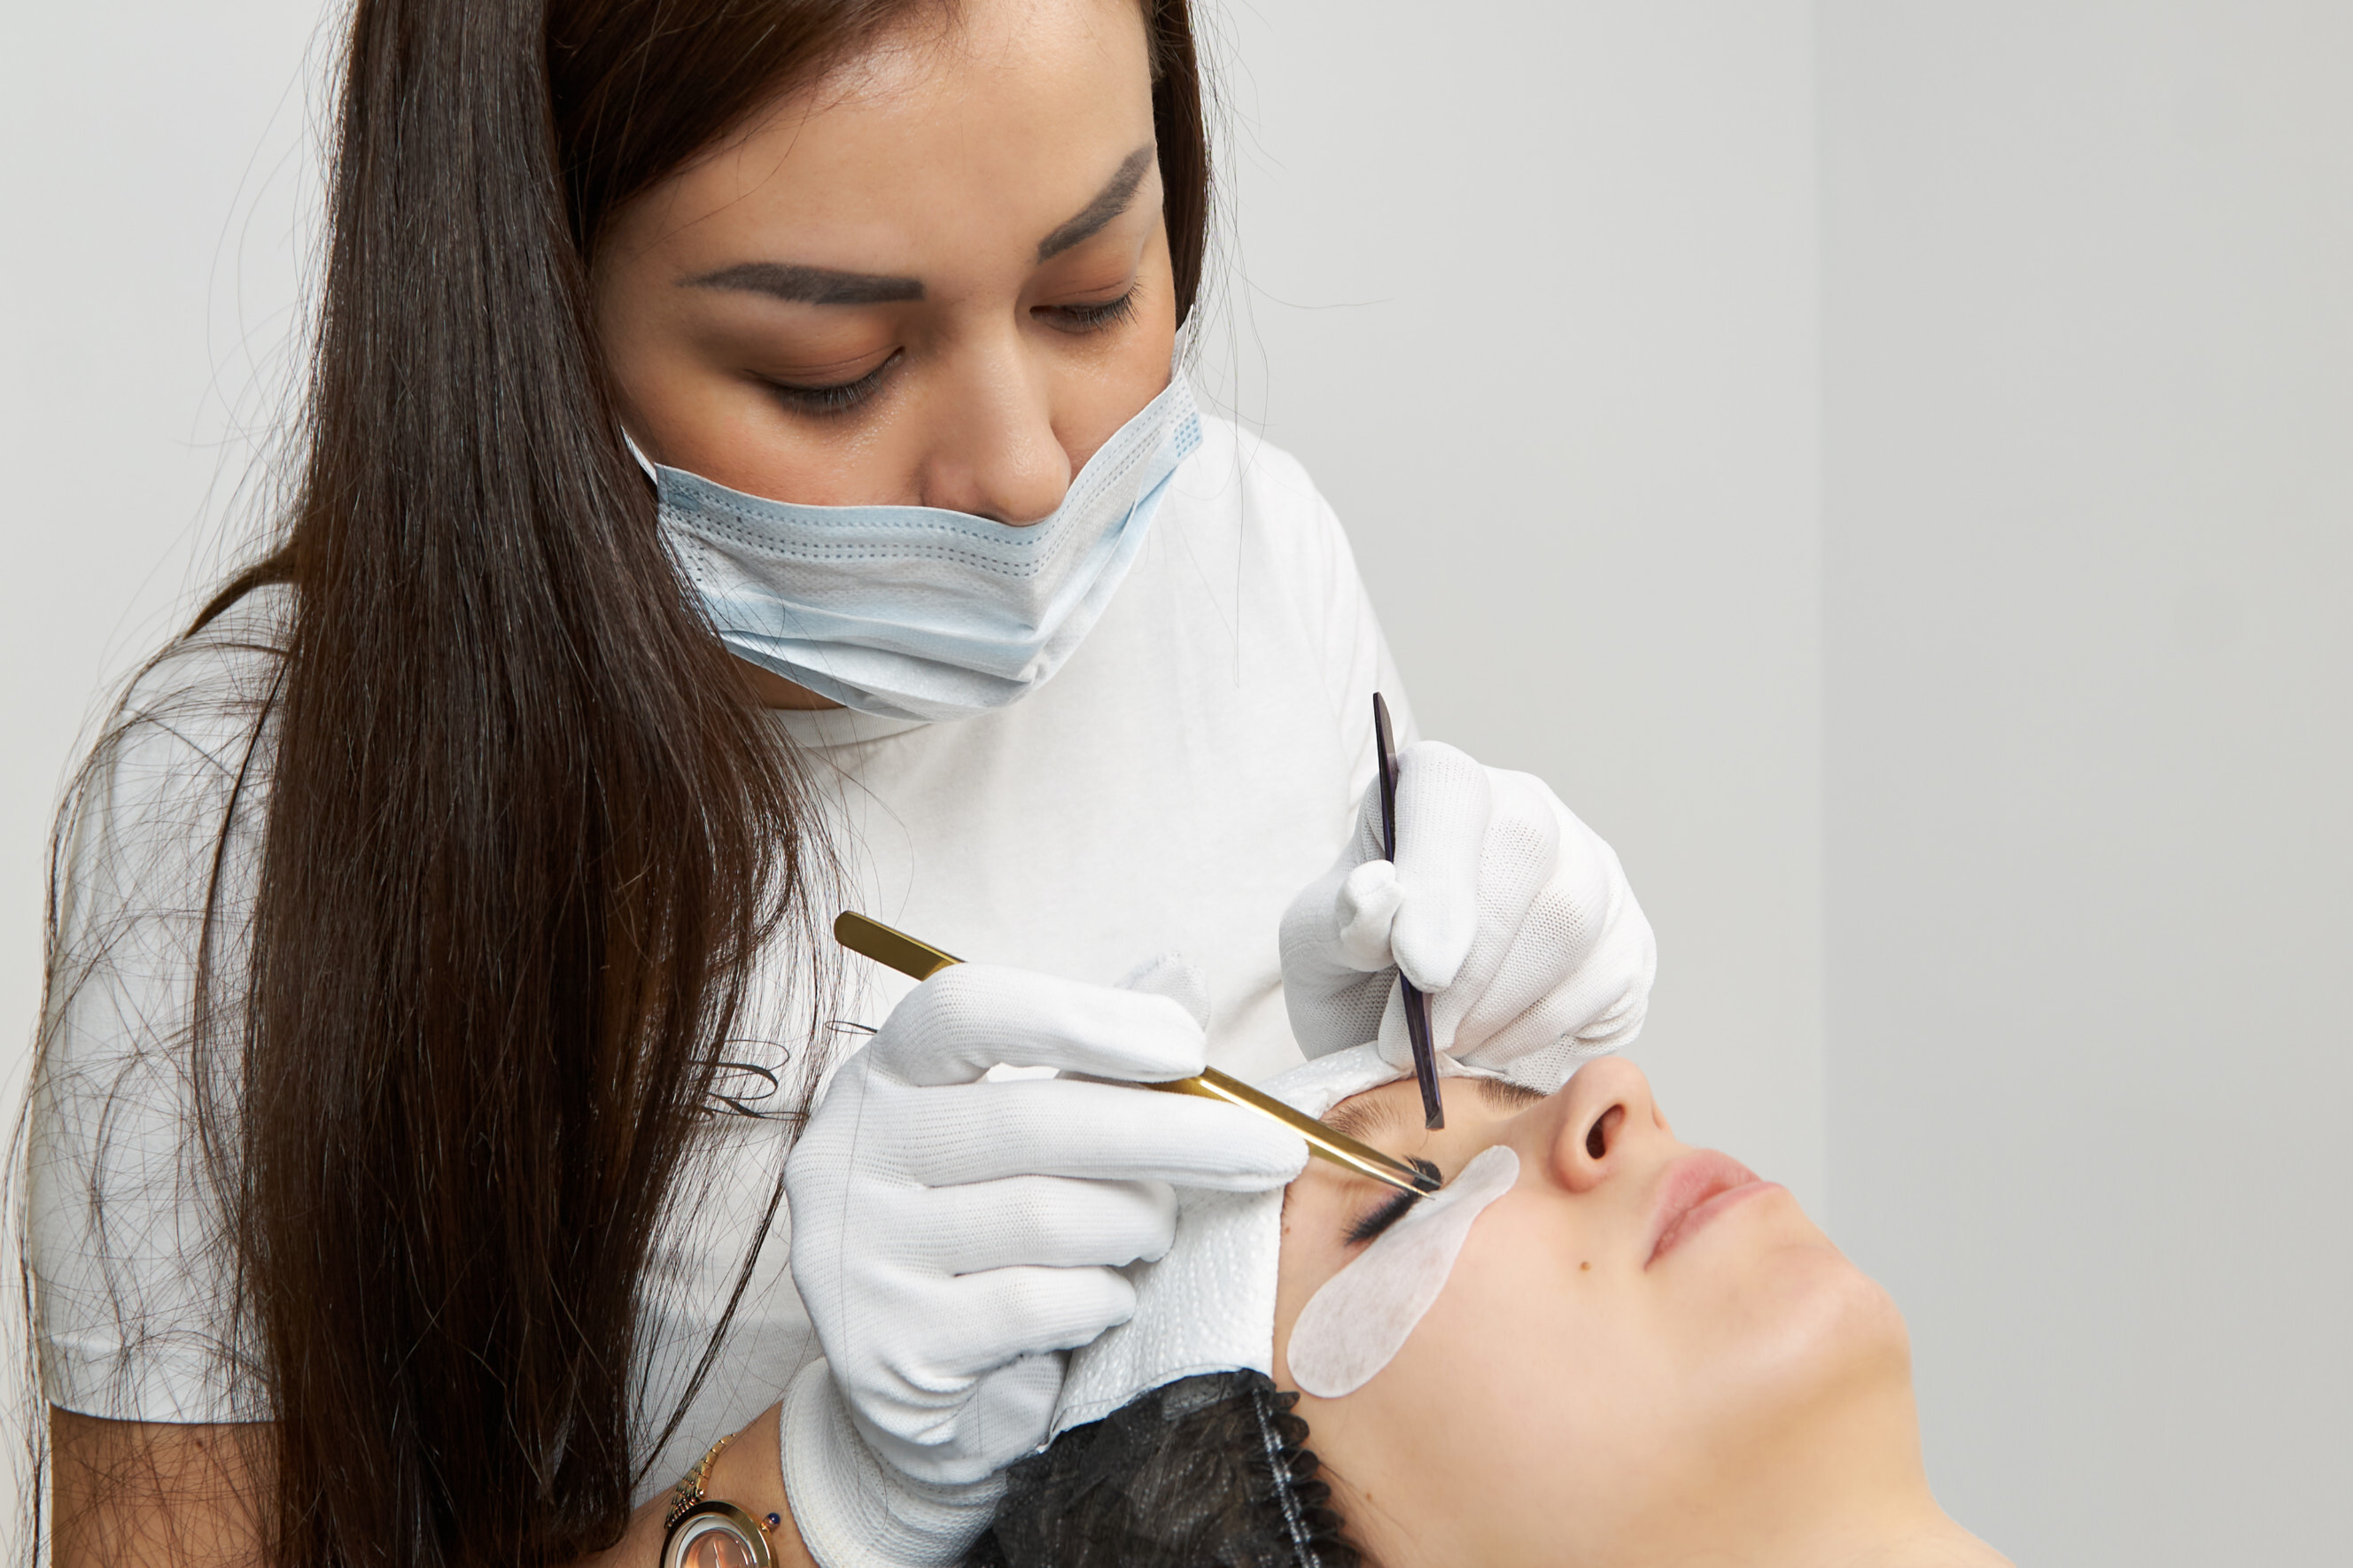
x: 839, y: 398
x: 1390, y: 1213
x: 843, y: 396
x: 1096, y: 318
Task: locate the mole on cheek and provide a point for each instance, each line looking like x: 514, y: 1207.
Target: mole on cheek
x: 1582, y: 1267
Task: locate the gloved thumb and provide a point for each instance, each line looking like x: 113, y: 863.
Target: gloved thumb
x: 1363, y: 911
x: 1444, y: 802
x: 1172, y: 975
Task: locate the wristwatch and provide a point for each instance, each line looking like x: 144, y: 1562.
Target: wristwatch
x: 706, y: 1533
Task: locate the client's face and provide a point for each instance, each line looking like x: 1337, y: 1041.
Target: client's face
x: 1639, y: 1342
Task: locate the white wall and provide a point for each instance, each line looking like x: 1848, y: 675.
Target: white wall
x: 2089, y: 305
x: 152, y: 193
x: 1532, y: 293
x: 154, y: 190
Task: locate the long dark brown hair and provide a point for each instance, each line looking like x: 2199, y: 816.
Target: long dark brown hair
x: 525, y: 831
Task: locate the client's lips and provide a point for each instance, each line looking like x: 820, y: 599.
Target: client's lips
x: 1698, y: 1187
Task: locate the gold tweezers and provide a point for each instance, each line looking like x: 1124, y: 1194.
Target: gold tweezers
x: 920, y: 961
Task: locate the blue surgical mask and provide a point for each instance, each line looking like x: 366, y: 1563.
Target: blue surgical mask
x: 918, y: 613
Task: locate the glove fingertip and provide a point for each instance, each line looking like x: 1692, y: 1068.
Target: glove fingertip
x: 1281, y: 1156
x: 1431, y: 948
x: 1175, y: 977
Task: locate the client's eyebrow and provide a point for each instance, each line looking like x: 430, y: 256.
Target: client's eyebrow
x: 1108, y: 203
x: 1366, y: 1114
x: 809, y: 285
x: 1363, y: 1116
x: 1508, y: 1097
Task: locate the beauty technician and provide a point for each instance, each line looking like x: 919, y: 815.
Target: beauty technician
x: 748, y: 473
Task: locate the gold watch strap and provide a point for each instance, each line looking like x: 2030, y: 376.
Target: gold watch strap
x: 690, y: 1509
x: 689, y: 1490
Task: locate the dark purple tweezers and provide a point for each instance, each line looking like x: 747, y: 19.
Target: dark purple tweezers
x: 1417, y: 1006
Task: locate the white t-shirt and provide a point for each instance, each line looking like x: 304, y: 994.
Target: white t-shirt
x: 1197, y: 760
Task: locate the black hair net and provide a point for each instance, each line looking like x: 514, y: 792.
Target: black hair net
x: 1206, y: 1472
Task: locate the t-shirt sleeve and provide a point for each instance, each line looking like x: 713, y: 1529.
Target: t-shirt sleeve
x: 134, y: 1311
x: 1353, y: 659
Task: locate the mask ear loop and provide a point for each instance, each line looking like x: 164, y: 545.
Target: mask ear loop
x: 643, y: 461
x: 1281, y: 1468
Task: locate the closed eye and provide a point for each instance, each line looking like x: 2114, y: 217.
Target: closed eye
x: 1394, y: 1210
x: 1081, y: 318
x: 838, y: 397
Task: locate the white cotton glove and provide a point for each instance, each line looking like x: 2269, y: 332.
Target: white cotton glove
x: 953, y: 1237
x: 1513, y: 915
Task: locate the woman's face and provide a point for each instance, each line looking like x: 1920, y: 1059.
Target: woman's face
x: 938, y: 277
x: 1639, y: 1343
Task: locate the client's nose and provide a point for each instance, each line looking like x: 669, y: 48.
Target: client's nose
x: 1606, y: 1113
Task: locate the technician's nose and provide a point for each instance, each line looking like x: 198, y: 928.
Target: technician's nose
x: 1603, y: 1119
x: 996, y: 454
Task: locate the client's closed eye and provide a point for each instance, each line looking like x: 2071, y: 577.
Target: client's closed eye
x: 1378, y: 1220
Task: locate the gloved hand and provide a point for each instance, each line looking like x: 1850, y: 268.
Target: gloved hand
x: 1513, y: 915
x: 951, y: 1236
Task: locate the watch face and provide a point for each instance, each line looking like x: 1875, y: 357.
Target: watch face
x: 717, y: 1544
x: 716, y: 1535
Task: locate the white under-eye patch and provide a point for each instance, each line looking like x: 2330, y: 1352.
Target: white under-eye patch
x: 1358, y: 1321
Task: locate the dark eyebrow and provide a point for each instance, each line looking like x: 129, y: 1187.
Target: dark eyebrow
x: 1365, y: 1117
x: 809, y: 285
x: 1362, y: 1116
x: 1108, y: 203
x: 1500, y: 1094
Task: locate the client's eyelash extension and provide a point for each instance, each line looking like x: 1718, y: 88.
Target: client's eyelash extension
x: 1390, y: 1213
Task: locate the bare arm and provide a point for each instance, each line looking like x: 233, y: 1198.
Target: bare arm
x: 135, y: 1494
x: 139, y: 1492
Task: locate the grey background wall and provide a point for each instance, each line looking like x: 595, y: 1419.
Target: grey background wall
x: 1541, y: 321
x: 2088, y: 294
x: 150, y: 215
x: 155, y: 191
x: 1884, y: 463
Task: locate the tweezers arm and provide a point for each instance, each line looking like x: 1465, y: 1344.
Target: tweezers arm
x: 1328, y: 1141
x: 897, y: 950
x: 891, y: 949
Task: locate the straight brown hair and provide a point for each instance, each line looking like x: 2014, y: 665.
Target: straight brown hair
x: 525, y: 831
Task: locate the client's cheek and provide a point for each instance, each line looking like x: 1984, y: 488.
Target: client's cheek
x: 1781, y: 1321
x: 1495, y: 1414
